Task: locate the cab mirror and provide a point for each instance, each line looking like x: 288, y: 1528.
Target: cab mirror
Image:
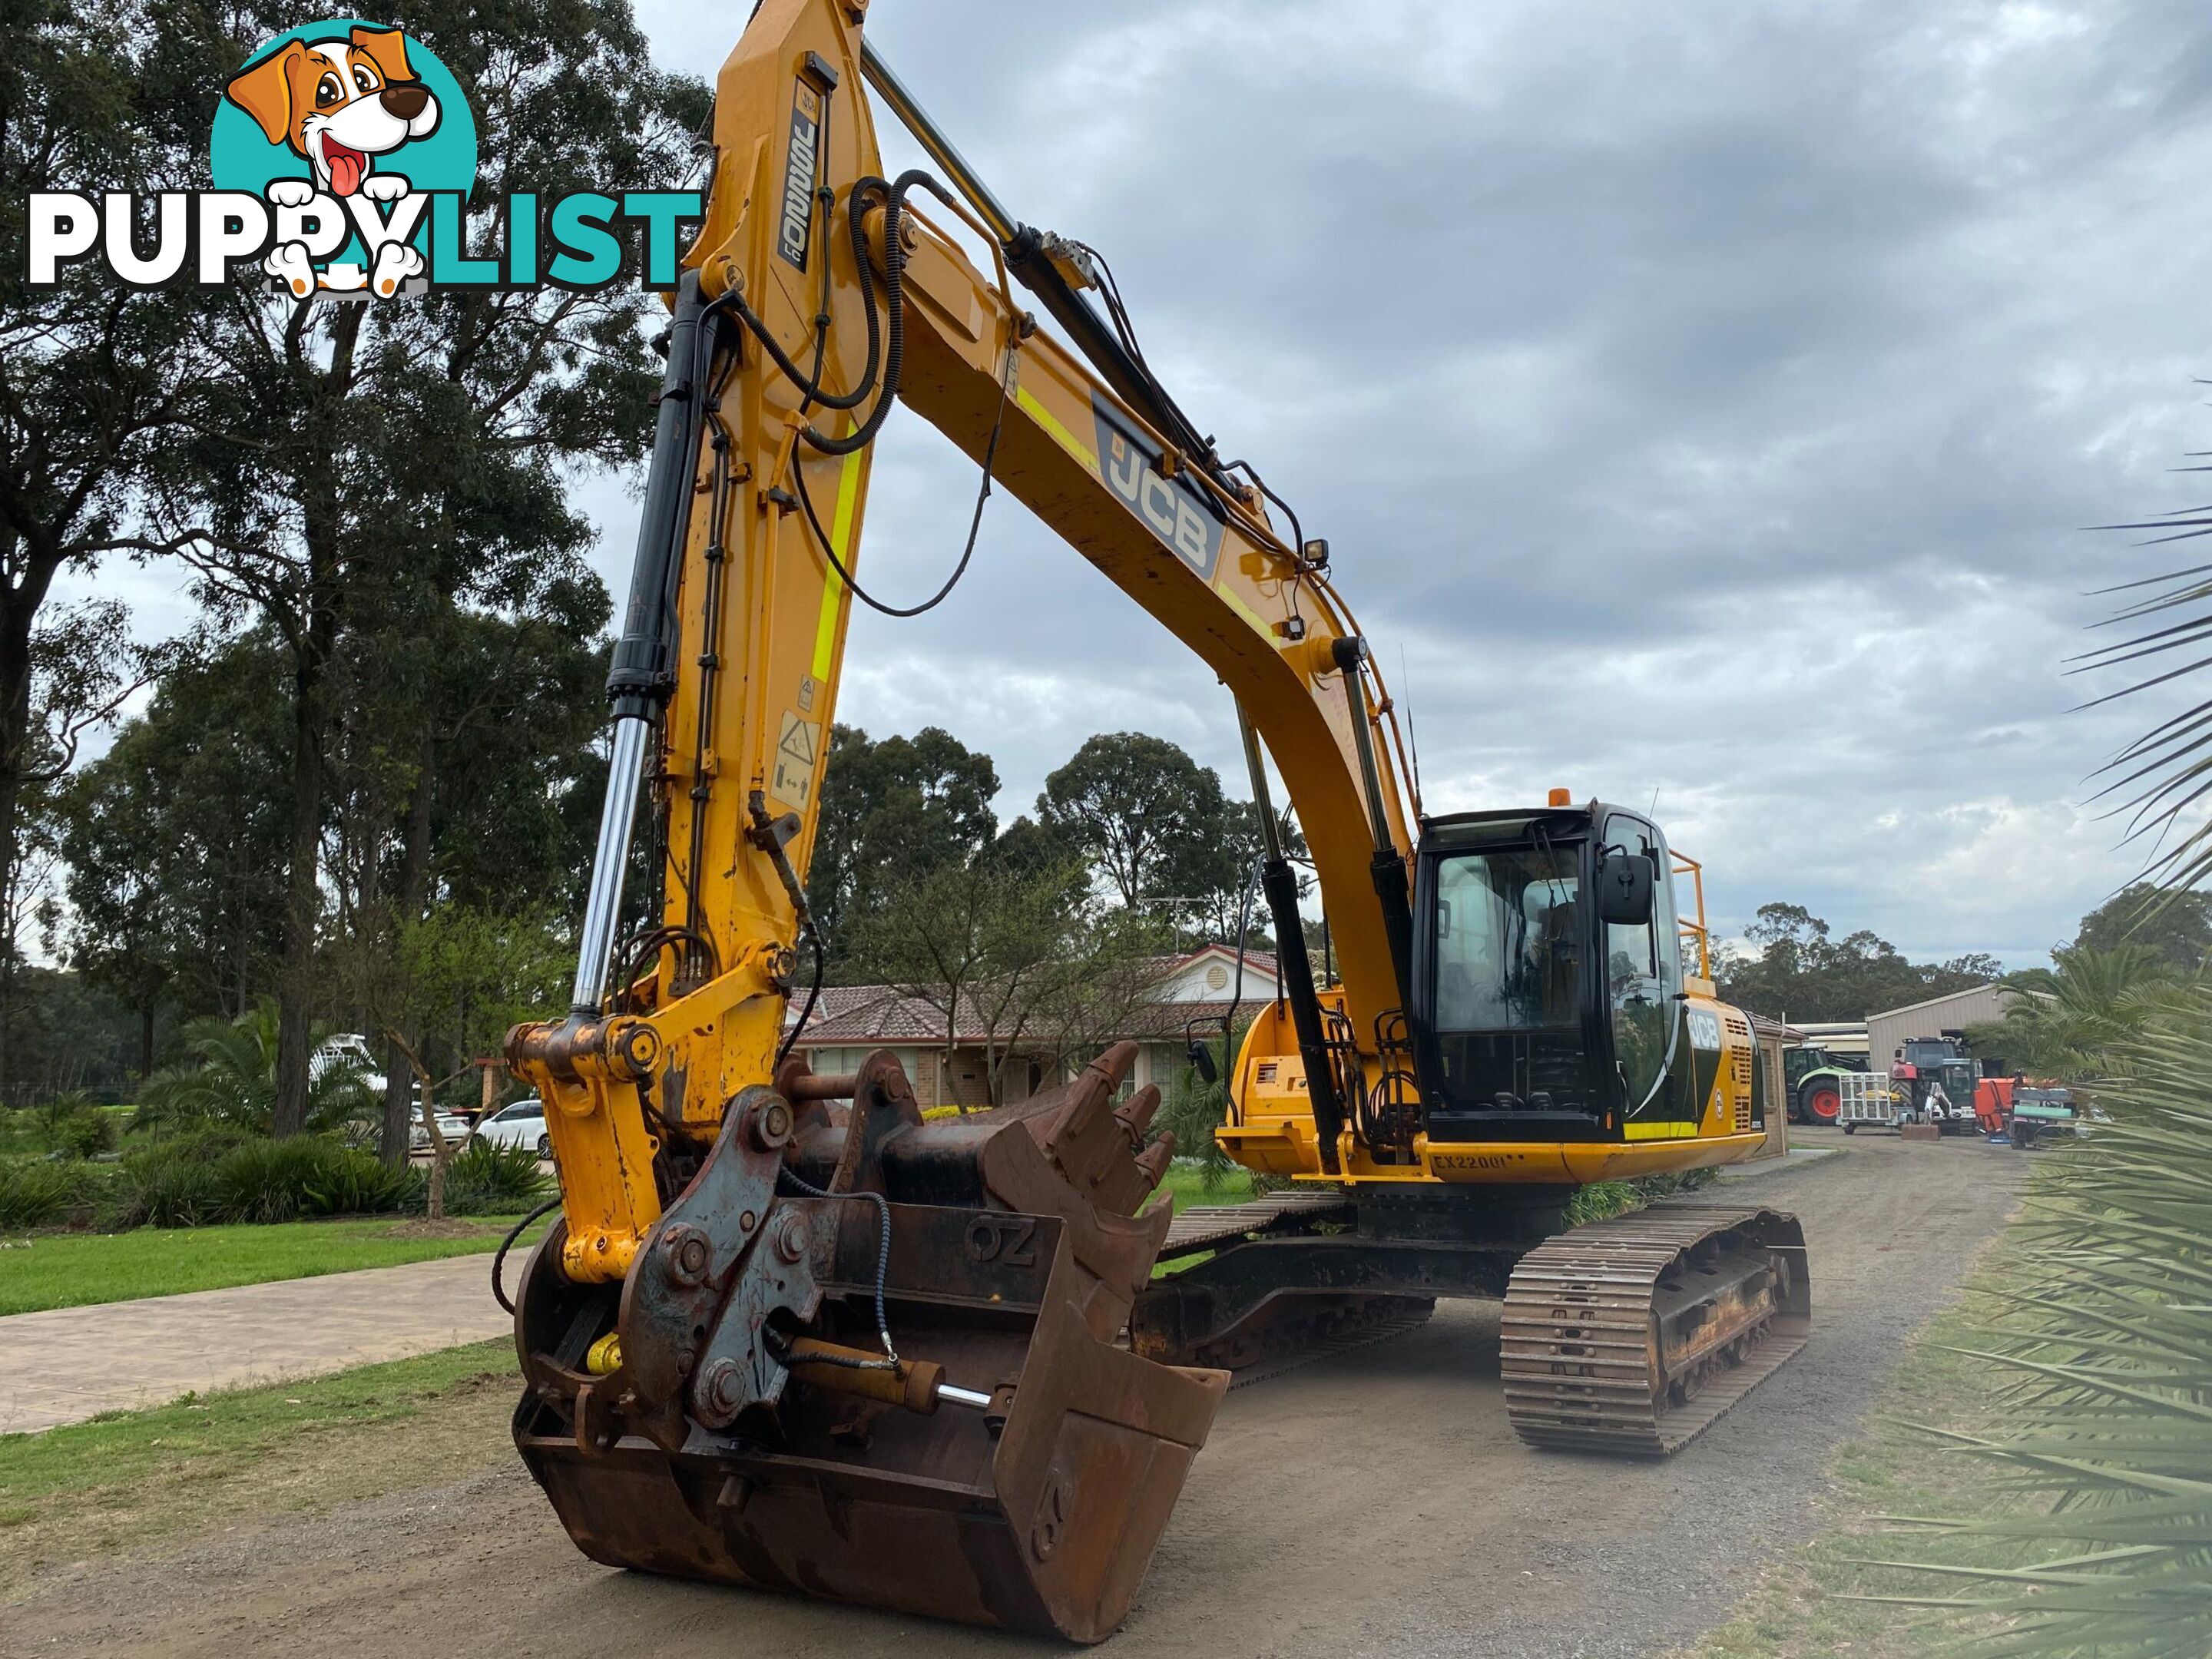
x: 1624, y: 890
x: 1201, y: 1061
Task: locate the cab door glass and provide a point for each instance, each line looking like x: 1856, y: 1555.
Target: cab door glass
x: 1507, y: 953
x: 1635, y: 993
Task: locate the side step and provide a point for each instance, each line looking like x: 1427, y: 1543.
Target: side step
x: 1630, y: 1336
x: 1203, y: 1227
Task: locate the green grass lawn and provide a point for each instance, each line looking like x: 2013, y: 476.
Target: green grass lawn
x: 1189, y: 1186
x: 75, y: 1270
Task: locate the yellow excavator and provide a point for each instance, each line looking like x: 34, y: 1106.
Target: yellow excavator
x: 788, y: 1334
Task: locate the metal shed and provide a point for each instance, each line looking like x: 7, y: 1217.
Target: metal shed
x: 1979, y: 1005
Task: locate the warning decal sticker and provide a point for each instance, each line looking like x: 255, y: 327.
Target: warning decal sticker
x: 798, y: 752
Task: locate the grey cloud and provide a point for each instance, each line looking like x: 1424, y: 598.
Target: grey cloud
x: 1703, y: 399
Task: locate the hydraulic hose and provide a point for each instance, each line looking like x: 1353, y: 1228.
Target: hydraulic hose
x: 499, y: 1256
x: 807, y: 1189
x: 892, y: 340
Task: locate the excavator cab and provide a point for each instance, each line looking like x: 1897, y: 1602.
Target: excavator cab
x: 1547, y: 973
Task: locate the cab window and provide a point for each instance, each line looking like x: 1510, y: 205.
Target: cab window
x: 1508, y: 941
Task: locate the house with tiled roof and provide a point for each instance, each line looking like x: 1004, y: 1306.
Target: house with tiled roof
x: 850, y: 1022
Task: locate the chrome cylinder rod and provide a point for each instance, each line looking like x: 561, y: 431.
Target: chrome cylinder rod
x: 610, y: 864
x: 932, y: 138
x: 1270, y: 836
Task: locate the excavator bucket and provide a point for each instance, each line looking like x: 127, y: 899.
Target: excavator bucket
x: 730, y: 1411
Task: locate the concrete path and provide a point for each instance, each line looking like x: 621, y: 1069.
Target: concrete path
x: 68, y: 1363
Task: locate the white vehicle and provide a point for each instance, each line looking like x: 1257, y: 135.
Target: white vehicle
x: 522, y: 1124
x: 453, y: 1129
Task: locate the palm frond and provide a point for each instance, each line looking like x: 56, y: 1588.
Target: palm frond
x: 2099, y: 1350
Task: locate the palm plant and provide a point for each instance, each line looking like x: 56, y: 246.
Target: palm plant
x: 2106, y: 1458
x: 2073, y: 1019
x: 230, y: 1082
x: 2105, y: 1463
x: 2157, y: 783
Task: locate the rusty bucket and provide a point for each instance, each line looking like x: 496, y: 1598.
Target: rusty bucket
x: 1014, y: 1467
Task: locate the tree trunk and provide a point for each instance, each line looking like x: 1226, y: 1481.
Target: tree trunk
x: 398, y: 1107
x: 313, y: 649
x: 18, y: 605
x: 302, y: 892
x: 440, y: 1153
x: 407, y: 906
x: 146, y: 1041
x: 442, y: 1150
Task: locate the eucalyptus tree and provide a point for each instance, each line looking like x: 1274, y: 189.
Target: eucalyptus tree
x: 348, y: 451
x: 92, y: 375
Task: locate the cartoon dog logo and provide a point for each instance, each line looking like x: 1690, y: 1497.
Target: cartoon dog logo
x: 341, y: 105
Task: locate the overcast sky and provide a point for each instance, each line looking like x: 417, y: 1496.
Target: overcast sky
x: 1705, y: 399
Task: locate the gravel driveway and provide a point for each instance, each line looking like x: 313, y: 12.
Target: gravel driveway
x: 1374, y: 1503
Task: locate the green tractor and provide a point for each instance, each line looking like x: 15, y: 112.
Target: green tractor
x: 1811, y: 1078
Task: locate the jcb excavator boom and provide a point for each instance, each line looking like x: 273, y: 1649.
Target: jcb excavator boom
x: 788, y: 1334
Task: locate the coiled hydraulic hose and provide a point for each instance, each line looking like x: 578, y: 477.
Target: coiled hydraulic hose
x: 807, y: 1189
x: 889, y: 337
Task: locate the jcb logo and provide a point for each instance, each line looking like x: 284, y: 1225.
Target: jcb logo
x: 1172, y: 509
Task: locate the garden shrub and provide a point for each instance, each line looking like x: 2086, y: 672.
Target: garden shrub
x: 486, y: 1180
x: 83, y: 1132
x: 219, y: 1175
x: 167, y: 1186
x: 202, y: 1179
x: 207, y: 1144
x: 355, y: 1183
x: 37, y: 1192
x: 268, y: 1180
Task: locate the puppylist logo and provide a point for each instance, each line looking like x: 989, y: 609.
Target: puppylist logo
x: 343, y: 160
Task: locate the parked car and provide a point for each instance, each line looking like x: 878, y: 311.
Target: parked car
x: 522, y: 1124
x: 452, y: 1128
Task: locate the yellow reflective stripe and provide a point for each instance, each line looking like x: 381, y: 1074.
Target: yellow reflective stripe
x: 840, y: 537
x: 1025, y: 400
x: 1235, y: 602
x: 1660, y: 1130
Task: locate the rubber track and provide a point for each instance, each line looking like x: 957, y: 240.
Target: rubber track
x: 1578, y: 1350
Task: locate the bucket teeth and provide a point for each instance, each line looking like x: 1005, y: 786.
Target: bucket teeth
x: 1152, y: 1162
x: 1095, y: 1145
x: 1090, y: 1095
x: 1136, y: 1116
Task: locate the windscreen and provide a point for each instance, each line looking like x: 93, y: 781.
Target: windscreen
x: 1509, y: 941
